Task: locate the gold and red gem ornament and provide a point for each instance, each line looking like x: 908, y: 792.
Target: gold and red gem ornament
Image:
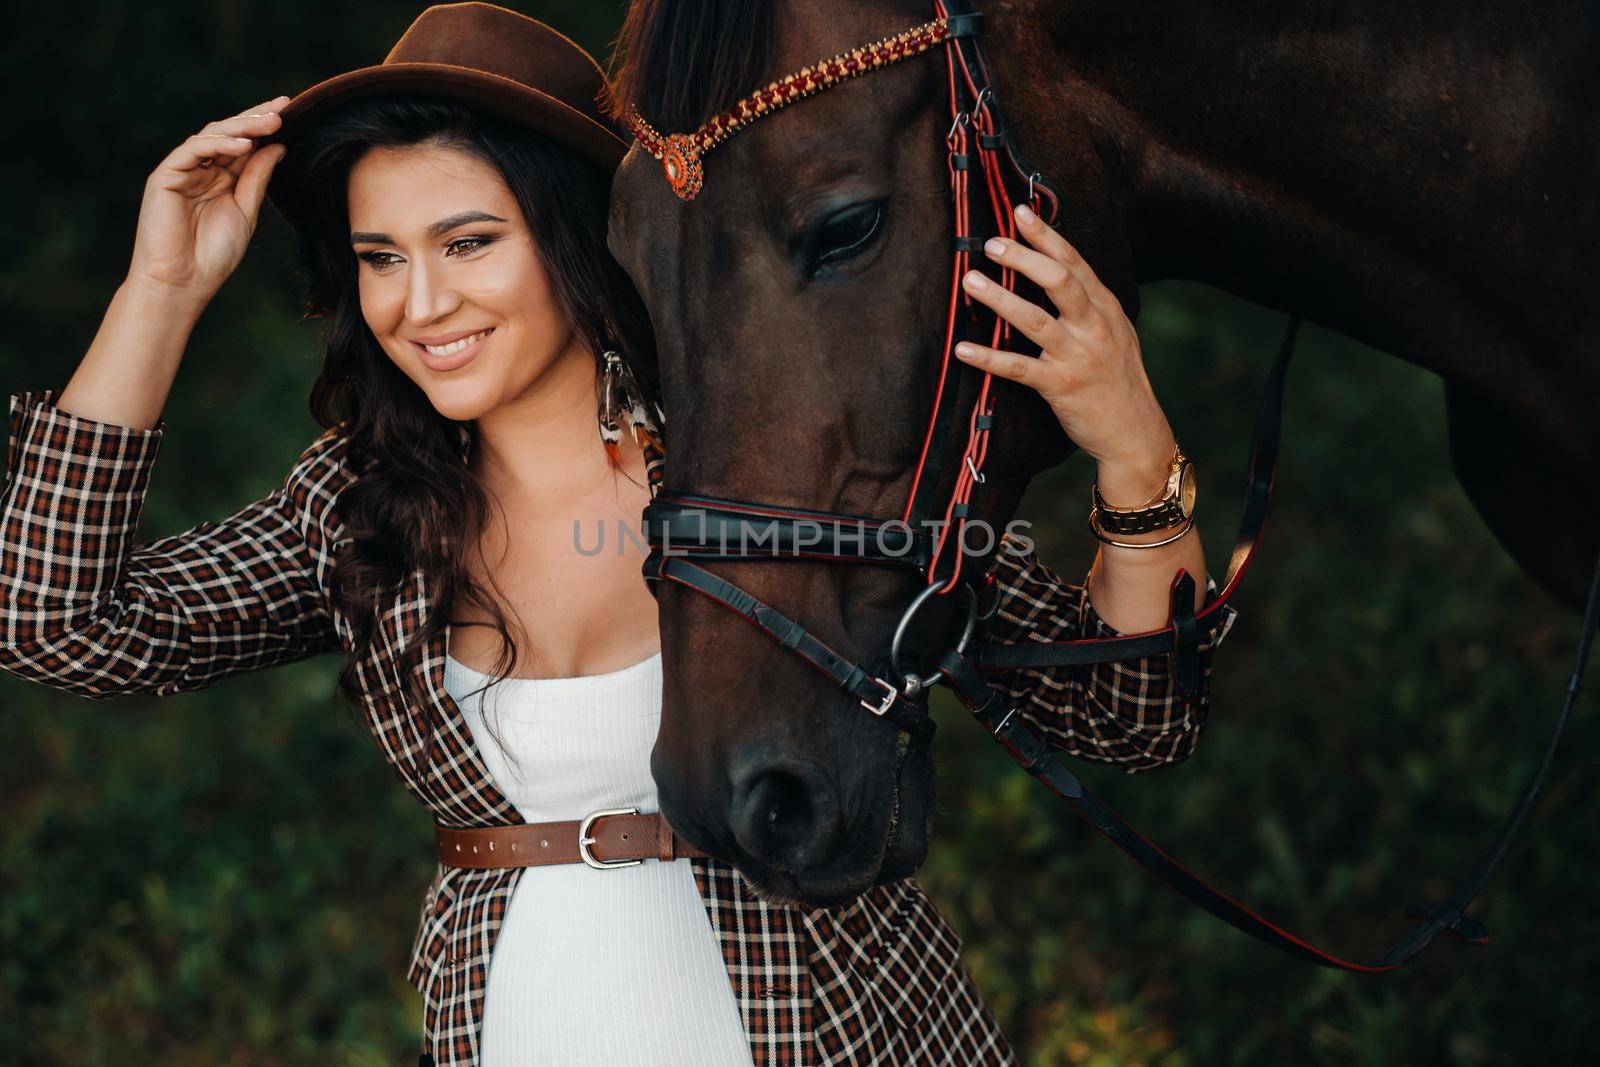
x: 680, y: 157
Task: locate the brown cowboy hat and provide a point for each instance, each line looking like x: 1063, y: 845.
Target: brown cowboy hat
x: 499, y: 61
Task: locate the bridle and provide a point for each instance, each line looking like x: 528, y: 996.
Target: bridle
x: 682, y: 527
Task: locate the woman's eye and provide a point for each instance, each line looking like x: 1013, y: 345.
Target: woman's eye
x: 845, y: 235
x: 382, y: 261
x: 378, y: 260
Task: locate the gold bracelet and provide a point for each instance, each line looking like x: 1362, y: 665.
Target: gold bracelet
x: 1095, y: 529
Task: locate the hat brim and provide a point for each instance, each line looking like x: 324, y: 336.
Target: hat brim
x: 492, y: 93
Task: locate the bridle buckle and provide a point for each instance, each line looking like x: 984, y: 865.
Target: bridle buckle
x: 584, y: 840
x: 890, y: 695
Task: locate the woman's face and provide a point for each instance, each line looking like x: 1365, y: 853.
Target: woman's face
x: 451, y: 283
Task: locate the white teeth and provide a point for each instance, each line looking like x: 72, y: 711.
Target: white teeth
x: 454, y: 346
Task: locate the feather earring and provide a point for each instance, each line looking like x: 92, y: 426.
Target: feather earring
x: 623, y: 401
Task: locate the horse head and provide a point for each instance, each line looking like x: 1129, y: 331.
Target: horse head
x: 800, y: 302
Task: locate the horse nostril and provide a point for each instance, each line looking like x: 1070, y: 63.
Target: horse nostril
x: 787, y: 810
x: 788, y: 817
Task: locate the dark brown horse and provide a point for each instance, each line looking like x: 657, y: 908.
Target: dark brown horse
x: 1420, y: 177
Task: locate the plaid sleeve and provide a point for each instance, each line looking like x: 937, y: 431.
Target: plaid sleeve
x: 83, y: 608
x: 1126, y: 712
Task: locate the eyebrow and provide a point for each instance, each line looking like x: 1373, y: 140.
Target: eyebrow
x: 442, y: 226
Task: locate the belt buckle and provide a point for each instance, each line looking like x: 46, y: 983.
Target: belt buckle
x: 584, y: 840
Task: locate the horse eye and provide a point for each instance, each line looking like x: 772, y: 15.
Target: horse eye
x: 845, y: 235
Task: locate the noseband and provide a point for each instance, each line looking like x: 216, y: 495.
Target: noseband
x: 682, y: 527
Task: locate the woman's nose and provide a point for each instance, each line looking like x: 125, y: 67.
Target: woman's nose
x: 428, y: 299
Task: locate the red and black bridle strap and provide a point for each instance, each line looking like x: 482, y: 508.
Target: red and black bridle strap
x: 1433, y: 918
x: 980, y: 149
x: 964, y: 24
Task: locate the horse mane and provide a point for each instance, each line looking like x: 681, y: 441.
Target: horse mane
x: 679, y: 62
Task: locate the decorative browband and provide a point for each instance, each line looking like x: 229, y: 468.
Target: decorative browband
x: 680, y: 153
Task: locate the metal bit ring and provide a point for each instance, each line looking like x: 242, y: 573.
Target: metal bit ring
x: 905, y: 622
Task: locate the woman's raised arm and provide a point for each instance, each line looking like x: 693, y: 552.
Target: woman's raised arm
x: 1091, y: 372
x: 82, y: 607
x: 199, y: 209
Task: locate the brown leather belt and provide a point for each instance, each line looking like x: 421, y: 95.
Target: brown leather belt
x: 616, y: 837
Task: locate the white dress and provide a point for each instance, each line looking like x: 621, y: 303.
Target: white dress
x: 609, y: 968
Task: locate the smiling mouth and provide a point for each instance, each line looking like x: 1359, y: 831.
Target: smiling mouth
x: 453, y: 355
x: 454, y: 346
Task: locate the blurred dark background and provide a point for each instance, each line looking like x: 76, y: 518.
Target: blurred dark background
x: 232, y: 876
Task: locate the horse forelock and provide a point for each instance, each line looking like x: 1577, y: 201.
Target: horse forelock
x: 679, y: 62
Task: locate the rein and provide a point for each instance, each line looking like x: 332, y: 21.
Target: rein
x: 682, y: 527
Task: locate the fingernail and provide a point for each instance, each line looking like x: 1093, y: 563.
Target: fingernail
x: 976, y: 281
x: 242, y: 140
x: 995, y: 247
x: 965, y: 350
x: 1023, y: 214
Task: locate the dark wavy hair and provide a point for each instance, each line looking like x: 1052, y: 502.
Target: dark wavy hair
x: 414, y: 502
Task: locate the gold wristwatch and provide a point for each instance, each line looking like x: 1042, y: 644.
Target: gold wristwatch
x: 1174, y: 507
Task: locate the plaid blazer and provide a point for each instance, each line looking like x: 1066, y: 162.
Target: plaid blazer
x: 85, y: 609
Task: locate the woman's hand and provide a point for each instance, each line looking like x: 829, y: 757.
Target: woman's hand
x: 201, y: 204
x: 1091, y: 373
x: 194, y: 225
x: 1089, y: 369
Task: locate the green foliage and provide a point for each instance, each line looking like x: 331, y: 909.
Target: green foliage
x: 232, y: 876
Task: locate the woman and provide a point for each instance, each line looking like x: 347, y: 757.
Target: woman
x: 451, y: 205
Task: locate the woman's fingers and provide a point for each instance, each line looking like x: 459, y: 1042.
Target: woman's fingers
x: 266, y: 107
x: 251, y: 185
x: 205, y: 146
x: 1046, y: 376
x: 250, y: 124
x: 1051, y: 260
x: 1079, y: 297
x: 1089, y: 369
x: 1054, y: 278
x: 1039, y: 234
x: 1036, y: 324
x: 277, y: 103
x: 227, y: 139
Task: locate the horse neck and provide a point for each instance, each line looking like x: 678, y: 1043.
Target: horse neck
x: 1337, y: 168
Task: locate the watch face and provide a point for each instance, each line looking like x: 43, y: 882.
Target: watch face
x: 1186, y: 489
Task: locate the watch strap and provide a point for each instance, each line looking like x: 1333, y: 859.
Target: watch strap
x: 1163, y: 513
x: 1163, y: 516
